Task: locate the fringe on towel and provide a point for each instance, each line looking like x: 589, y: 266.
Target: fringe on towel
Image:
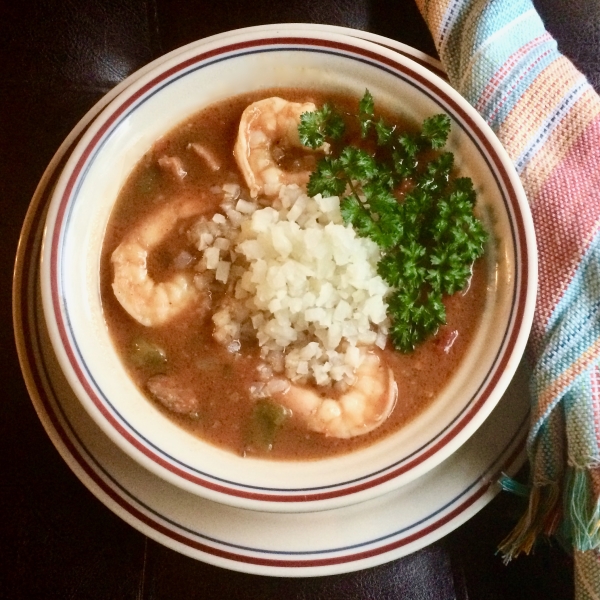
x: 541, y: 517
x: 582, y: 509
x: 576, y: 513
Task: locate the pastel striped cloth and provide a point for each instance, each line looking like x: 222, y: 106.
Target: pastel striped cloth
x: 499, y: 56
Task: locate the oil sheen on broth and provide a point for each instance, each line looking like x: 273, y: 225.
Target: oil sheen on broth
x: 224, y: 389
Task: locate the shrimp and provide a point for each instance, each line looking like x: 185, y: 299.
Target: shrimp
x: 364, y: 407
x: 148, y: 302
x: 265, y: 125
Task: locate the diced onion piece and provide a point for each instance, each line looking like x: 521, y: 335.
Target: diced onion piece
x: 212, y: 257
x: 222, y: 272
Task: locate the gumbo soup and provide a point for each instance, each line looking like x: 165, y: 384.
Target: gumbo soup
x: 253, y: 314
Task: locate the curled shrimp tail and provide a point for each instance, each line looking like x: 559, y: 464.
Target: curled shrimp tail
x: 265, y: 125
x: 147, y: 301
x: 361, y: 409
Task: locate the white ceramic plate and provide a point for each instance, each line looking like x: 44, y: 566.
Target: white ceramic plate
x: 265, y: 543
x: 70, y: 286
x: 304, y: 544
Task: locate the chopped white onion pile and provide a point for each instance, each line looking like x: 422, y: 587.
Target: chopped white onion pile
x: 304, y: 280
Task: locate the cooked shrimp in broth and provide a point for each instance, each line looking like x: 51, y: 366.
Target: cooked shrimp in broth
x: 148, y: 302
x: 267, y: 128
x: 359, y: 410
x: 239, y: 304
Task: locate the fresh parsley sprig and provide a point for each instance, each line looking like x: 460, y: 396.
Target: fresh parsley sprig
x: 428, y: 232
x: 315, y: 127
x: 366, y: 113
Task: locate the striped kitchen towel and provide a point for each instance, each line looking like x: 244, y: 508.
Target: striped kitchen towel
x: 500, y: 57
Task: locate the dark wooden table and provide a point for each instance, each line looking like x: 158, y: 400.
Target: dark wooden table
x: 57, y: 541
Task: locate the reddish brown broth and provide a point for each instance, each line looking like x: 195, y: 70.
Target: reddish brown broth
x: 219, y: 377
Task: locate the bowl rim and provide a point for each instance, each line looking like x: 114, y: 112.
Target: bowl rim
x: 279, y: 499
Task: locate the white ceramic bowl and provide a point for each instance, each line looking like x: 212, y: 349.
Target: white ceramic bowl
x: 201, y: 74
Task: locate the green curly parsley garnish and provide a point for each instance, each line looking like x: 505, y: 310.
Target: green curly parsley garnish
x: 316, y: 127
x: 404, y: 197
